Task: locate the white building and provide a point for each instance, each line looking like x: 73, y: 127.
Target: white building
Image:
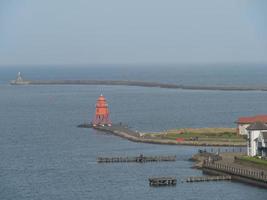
x: 257, y: 139
x: 244, y: 122
x: 262, y: 144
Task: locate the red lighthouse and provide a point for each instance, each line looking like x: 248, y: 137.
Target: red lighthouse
x: 102, y: 112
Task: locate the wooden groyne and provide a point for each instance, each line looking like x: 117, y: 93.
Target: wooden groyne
x: 162, y: 181
x: 139, y: 159
x: 137, y: 83
x: 208, y: 178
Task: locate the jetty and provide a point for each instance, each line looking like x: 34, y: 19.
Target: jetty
x: 208, y: 178
x: 162, y: 181
x: 138, y: 159
x: 102, y: 122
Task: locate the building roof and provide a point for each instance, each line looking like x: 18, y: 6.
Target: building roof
x: 257, y: 126
x: 253, y: 119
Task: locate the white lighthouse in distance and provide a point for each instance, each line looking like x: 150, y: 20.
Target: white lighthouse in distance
x: 19, y: 80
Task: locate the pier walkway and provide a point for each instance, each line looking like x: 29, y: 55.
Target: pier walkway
x: 139, y: 159
x: 208, y: 178
x: 162, y: 181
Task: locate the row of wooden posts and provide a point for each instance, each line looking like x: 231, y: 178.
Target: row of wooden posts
x: 223, y: 150
x: 159, y: 181
x: 208, y: 178
x: 162, y: 181
x: 139, y: 158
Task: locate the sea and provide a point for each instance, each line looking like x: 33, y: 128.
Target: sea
x: 44, y: 156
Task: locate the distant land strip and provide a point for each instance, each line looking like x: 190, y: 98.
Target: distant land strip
x: 138, y: 83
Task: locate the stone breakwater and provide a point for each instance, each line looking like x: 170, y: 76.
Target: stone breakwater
x: 138, y: 83
x: 136, y: 136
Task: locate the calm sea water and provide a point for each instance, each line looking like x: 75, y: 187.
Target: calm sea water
x: 44, y: 156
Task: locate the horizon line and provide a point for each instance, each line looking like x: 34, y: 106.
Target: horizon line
x: 137, y: 64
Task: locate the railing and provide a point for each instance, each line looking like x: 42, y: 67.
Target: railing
x: 223, y: 150
x: 252, y: 174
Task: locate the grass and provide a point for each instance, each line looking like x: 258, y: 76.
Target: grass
x: 254, y: 160
x: 203, y: 134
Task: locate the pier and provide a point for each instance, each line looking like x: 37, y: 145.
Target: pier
x: 208, y: 178
x: 20, y: 81
x: 138, y: 159
x: 162, y: 181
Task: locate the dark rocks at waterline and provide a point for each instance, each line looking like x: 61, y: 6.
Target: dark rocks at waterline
x: 85, y: 125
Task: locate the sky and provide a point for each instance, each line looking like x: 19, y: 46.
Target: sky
x: 87, y: 32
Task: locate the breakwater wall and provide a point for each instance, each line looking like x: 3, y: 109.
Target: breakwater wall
x: 138, y: 83
x: 136, y: 136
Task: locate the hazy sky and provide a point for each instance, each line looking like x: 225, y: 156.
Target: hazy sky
x: 59, y: 32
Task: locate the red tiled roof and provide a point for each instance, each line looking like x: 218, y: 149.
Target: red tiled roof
x: 249, y: 120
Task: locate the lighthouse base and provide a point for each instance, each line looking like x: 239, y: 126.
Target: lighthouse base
x: 85, y: 125
x: 95, y: 125
x: 91, y: 125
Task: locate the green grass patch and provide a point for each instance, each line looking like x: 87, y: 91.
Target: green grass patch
x: 254, y: 160
x: 203, y: 134
x: 188, y: 135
